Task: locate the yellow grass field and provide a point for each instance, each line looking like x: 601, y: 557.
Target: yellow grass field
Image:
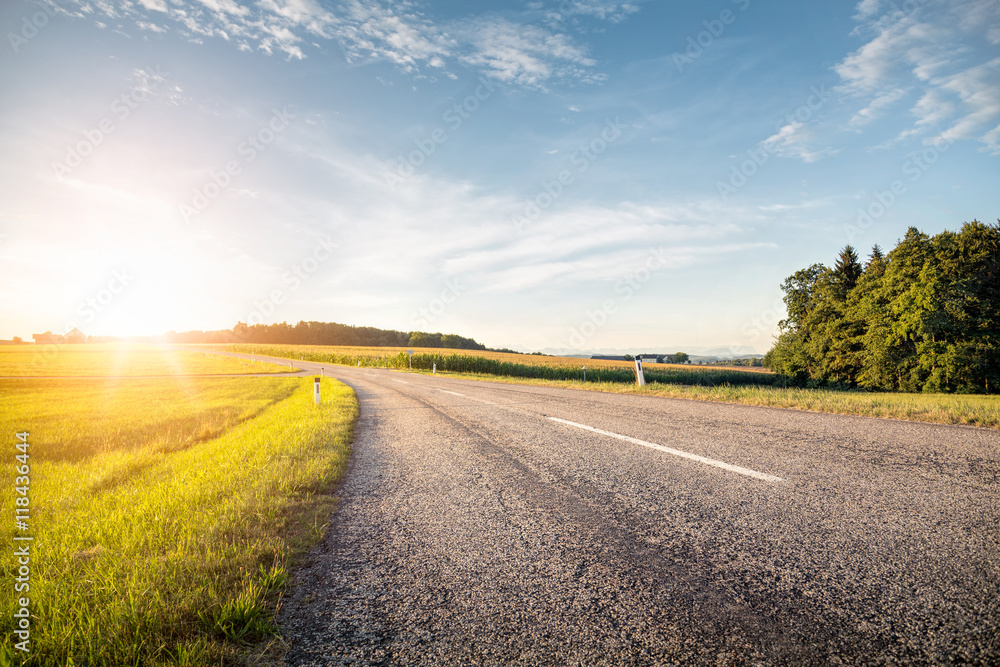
x: 119, y: 359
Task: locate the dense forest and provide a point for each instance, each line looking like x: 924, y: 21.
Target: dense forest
x: 924, y: 317
x: 332, y: 333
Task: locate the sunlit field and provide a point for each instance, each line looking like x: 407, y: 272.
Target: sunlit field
x: 164, y: 512
x: 119, y: 359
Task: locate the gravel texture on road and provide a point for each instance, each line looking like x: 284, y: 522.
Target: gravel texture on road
x: 473, y: 529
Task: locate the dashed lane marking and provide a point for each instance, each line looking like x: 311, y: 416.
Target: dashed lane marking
x: 676, y: 452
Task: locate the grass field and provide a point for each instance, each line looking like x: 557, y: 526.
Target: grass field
x: 119, y: 359
x: 164, y: 512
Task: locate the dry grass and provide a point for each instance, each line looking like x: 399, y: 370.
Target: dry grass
x: 119, y: 359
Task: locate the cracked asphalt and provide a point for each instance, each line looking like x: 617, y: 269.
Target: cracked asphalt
x: 473, y: 529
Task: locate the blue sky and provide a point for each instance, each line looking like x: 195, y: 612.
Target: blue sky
x: 584, y: 175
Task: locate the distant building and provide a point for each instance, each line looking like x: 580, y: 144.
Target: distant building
x: 74, y: 335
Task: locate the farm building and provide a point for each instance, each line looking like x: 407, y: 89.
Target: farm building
x: 74, y: 335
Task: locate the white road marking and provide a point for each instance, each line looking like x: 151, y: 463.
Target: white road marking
x: 676, y: 452
x: 400, y: 381
x: 454, y: 393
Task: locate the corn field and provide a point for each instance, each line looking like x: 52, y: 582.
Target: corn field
x: 511, y: 365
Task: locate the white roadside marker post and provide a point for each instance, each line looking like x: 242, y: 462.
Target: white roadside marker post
x: 435, y: 369
x: 409, y: 358
x: 640, y: 379
x: 584, y: 373
x: 316, y: 384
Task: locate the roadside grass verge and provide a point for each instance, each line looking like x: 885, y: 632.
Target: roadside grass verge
x: 153, y: 555
x: 966, y: 409
x: 120, y: 359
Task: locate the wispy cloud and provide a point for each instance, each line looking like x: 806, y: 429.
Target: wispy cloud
x: 526, y: 55
x: 512, y: 48
x: 605, y: 10
x: 795, y: 140
x: 924, y: 49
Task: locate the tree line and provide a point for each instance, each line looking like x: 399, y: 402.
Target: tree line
x: 333, y: 333
x: 924, y: 317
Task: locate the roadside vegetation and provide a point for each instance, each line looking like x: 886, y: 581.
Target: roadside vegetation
x: 505, y: 364
x: 166, y: 512
x: 925, y: 317
x: 747, y: 386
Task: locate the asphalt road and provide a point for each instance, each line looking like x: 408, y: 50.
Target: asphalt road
x: 475, y: 529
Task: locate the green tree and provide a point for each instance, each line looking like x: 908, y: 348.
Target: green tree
x: 925, y: 317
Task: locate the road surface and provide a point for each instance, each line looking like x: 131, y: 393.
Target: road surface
x: 485, y: 523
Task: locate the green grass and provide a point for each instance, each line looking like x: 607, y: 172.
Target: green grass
x: 163, y: 535
x: 971, y: 410
x: 120, y: 359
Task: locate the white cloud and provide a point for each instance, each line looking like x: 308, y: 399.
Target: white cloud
x: 156, y: 5
x: 928, y: 48
x: 877, y: 106
x: 522, y: 54
x: 605, y: 10
x: 369, y: 31
x: 152, y: 27
x: 866, y: 8
x: 510, y: 48
x: 793, y: 140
